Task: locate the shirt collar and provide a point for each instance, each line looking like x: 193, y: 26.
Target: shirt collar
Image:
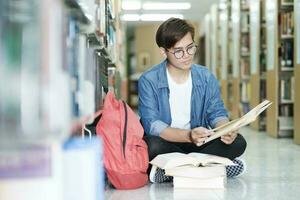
x: 162, y: 75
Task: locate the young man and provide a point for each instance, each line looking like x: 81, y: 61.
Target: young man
x: 180, y: 101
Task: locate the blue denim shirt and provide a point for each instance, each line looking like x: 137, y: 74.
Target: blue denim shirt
x: 207, y: 107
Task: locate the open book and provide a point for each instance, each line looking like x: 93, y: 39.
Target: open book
x: 172, y: 160
x: 238, y: 123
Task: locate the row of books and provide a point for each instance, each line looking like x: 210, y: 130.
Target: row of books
x: 245, y: 91
x: 287, y: 87
x: 263, y: 89
x: 244, y: 106
x: 245, y: 68
x: 286, y: 54
x: 91, y: 50
x: 245, y: 43
x: 263, y: 61
x: 286, y: 110
x: 245, y: 21
x: 286, y: 23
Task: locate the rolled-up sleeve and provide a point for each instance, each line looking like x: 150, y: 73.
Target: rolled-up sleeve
x: 216, y: 110
x: 148, y: 107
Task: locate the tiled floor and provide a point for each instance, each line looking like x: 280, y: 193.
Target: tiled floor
x: 273, y: 173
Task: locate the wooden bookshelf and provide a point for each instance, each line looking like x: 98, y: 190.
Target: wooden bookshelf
x: 244, y: 59
x: 257, y: 59
x: 223, y: 59
x: 207, y: 40
x: 214, y: 39
x: 219, y: 44
x: 297, y: 73
x: 235, y: 16
x: 279, y: 31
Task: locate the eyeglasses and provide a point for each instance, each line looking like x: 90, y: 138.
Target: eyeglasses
x: 191, y: 50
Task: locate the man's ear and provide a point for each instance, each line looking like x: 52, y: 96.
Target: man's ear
x: 162, y: 51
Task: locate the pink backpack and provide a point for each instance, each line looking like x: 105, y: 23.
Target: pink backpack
x: 125, y: 152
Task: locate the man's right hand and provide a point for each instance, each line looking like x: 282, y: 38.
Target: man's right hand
x: 199, y: 135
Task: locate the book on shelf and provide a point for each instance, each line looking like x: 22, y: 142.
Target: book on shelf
x: 176, y: 159
x: 286, y: 23
x: 286, y: 55
x: 286, y: 93
x: 286, y: 110
x: 240, y: 122
x: 210, y: 183
x: 286, y: 123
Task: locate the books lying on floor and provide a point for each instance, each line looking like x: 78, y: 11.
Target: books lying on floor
x: 208, y: 183
x: 238, y: 123
x: 172, y: 160
x: 197, y: 172
x: 194, y: 170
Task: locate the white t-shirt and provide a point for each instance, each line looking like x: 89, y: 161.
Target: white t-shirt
x: 180, y: 102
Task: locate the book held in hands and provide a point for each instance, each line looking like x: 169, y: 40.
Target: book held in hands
x: 238, y: 123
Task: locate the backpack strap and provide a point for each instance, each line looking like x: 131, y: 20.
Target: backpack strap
x: 89, y: 129
x: 125, y: 128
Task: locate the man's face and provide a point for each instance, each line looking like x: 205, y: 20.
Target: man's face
x: 182, y: 53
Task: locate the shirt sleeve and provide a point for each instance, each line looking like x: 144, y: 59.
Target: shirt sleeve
x: 148, y: 108
x: 216, y: 110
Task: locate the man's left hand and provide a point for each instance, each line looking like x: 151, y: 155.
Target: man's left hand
x: 229, y: 138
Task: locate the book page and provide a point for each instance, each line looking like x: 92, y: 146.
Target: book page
x: 171, y: 160
x: 208, y: 159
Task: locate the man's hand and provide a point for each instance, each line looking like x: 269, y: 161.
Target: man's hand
x: 199, y: 135
x: 229, y: 138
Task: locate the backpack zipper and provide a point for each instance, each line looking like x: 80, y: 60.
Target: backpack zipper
x: 125, y: 128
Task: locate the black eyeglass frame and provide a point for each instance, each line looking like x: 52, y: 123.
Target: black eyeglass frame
x: 186, y: 50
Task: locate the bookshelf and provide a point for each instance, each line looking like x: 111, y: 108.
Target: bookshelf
x: 34, y: 80
x: 257, y: 59
x: 244, y: 57
x: 219, y: 44
x: 94, y: 55
x: 207, y: 40
x: 235, y: 85
x: 142, y: 53
x: 280, y: 67
x: 200, y: 54
x: 297, y: 73
x: 223, y: 59
x: 86, y: 50
x: 214, y: 39
x: 230, y: 65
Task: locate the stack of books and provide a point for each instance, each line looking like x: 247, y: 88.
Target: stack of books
x: 194, y: 170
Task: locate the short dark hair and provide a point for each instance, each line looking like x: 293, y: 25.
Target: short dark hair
x: 171, y: 31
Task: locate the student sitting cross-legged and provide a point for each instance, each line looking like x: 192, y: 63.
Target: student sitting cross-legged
x: 180, y: 101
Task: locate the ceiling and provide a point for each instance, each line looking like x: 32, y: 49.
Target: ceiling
x: 197, y: 12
